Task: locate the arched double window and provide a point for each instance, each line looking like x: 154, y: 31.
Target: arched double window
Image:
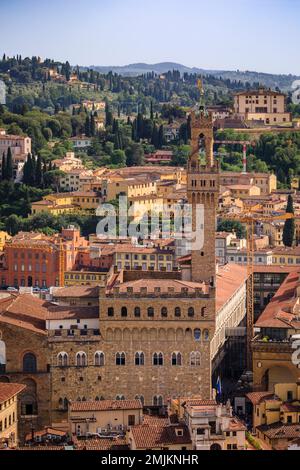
x: 177, y: 312
x: 141, y: 398
x: 124, y: 312
x: 158, y: 359
x: 101, y: 398
x: 63, y: 404
x: 62, y: 359
x: 164, y: 312
x: 176, y: 359
x: 137, y: 312
x: 206, y: 335
x: 110, y: 312
x: 139, y: 359
x: 29, y: 363
x: 191, y: 312
x: 197, y: 334
x: 120, y: 359
x: 150, y: 312
x: 158, y: 400
x: 81, y: 359
x: 99, y: 359
x: 120, y: 397
x: 195, y: 358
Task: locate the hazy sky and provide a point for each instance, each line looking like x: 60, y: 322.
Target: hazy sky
x: 262, y: 35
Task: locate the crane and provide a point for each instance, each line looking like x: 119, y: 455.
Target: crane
x: 244, y: 143
x: 250, y: 218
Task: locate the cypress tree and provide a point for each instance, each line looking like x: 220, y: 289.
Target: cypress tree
x: 38, y: 172
x: 87, y: 127
x: 161, y: 137
x: 92, y: 126
x: 151, y: 111
x: 9, y: 165
x: 289, y: 226
x: 3, y: 168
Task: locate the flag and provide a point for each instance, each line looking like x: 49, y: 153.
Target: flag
x: 219, y: 386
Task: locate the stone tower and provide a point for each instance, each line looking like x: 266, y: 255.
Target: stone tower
x: 203, y: 189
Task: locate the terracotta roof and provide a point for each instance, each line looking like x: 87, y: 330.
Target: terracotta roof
x: 229, y: 279
x: 101, y: 444
x: 151, y: 437
x: 9, y: 390
x: 257, y: 397
x: 106, y: 405
x: 276, y: 314
x: 280, y: 431
x: 69, y: 313
x: 25, y: 311
x: 76, y: 291
x: 44, y: 448
x: 199, y: 402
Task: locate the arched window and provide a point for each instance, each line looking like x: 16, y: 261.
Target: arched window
x: 63, y: 404
x: 81, y: 359
x: 158, y: 400
x: 139, y: 359
x: 176, y: 359
x: 197, y: 334
x: 177, y: 312
x: 195, y: 358
x: 101, y: 398
x: 203, y: 309
x: 29, y: 363
x: 62, y: 359
x: 28, y: 398
x: 191, y: 312
x: 99, y: 359
x: 83, y: 399
x: 120, y: 359
x: 120, y: 397
x: 110, y: 312
x: 124, y: 312
x: 137, y: 312
x: 158, y: 359
x: 206, y: 335
x: 164, y: 312
x: 150, y: 312
x: 141, y: 398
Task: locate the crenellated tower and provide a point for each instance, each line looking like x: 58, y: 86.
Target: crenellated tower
x: 203, y: 189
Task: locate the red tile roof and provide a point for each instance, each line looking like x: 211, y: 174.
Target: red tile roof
x: 280, y: 431
x: 25, y: 311
x: 106, y: 405
x: 76, y: 291
x: 257, y: 397
x: 101, y: 444
x: 276, y: 314
x: 152, y: 437
x: 9, y: 390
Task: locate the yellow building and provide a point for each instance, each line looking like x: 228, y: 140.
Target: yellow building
x: 9, y: 413
x: 82, y: 278
x: 144, y: 258
x: 242, y: 191
x: 274, y: 230
x: 130, y: 187
x: 276, y: 415
x: 104, y: 416
x: 3, y: 239
x: 262, y: 105
x: 286, y: 256
x: 66, y: 203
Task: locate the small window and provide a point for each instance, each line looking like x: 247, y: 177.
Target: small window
x: 191, y: 312
x: 150, y: 312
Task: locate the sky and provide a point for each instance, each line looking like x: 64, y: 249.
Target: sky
x: 260, y: 35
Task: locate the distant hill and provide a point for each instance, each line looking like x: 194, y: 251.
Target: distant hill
x: 267, y: 79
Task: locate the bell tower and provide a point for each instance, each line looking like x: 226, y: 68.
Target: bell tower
x: 203, y: 190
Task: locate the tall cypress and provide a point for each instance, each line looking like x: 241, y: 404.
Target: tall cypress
x: 9, y: 165
x: 38, y: 172
x: 289, y: 226
x: 3, y: 168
